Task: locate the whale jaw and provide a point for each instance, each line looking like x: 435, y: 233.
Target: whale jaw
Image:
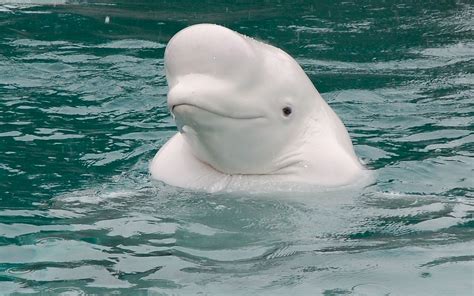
x: 225, y: 143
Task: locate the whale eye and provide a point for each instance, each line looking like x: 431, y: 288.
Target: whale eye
x: 287, y: 111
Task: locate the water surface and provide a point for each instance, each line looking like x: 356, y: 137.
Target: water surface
x: 83, y: 110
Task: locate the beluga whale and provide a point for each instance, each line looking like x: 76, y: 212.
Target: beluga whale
x: 248, y: 118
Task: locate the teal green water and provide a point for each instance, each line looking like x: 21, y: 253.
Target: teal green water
x: 83, y: 110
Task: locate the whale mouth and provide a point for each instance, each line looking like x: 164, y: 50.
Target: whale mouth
x: 220, y: 114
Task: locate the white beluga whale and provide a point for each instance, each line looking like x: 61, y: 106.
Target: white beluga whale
x: 248, y: 118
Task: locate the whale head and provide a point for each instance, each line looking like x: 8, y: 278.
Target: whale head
x: 240, y: 104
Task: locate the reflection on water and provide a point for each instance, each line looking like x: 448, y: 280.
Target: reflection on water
x: 83, y: 110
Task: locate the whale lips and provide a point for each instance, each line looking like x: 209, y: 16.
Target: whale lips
x: 214, y: 112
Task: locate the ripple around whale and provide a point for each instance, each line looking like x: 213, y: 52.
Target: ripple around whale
x: 81, y: 115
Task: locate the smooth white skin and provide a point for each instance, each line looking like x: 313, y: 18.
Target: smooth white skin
x: 227, y: 92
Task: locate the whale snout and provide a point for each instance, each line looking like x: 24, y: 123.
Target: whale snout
x: 209, y: 50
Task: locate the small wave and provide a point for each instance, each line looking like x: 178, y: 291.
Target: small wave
x: 131, y: 44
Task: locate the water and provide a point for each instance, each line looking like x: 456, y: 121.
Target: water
x: 83, y: 111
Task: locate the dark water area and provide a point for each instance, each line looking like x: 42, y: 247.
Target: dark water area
x: 83, y: 111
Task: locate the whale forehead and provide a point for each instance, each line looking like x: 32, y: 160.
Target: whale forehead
x: 210, y: 50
